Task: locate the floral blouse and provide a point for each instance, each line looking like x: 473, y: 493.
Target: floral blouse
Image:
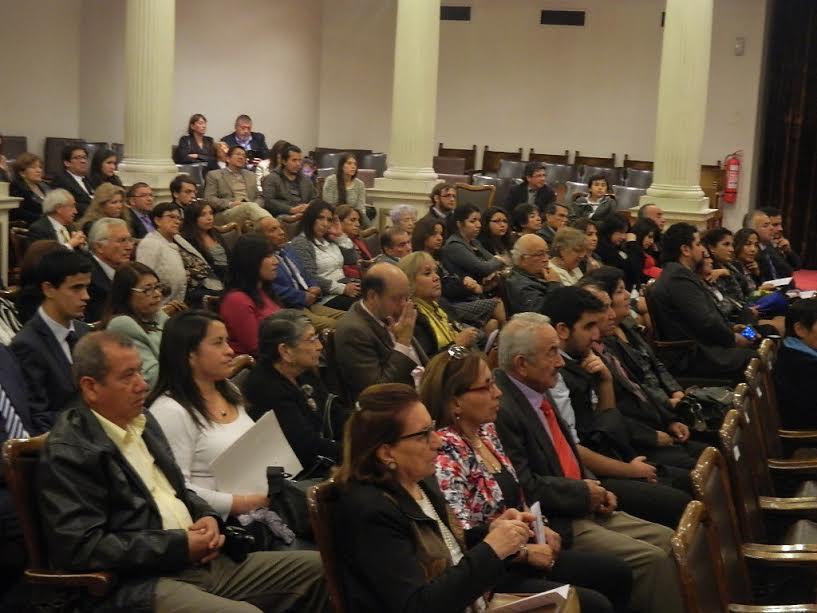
x: 469, y: 487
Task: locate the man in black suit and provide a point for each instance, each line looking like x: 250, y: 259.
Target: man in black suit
x: 56, y: 224
x: 111, y: 246
x: 686, y: 310
x: 74, y: 176
x: 556, y: 216
x: 534, y: 190
x: 247, y: 139
x: 779, y: 241
x: 43, y: 347
x: 550, y: 470
x: 140, y: 203
x: 773, y: 264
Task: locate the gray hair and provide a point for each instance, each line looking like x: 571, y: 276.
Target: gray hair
x: 89, y: 358
x: 101, y: 229
x: 568, y: 238
x: 398, y: 212
x: 517, y: 337
x: 55, y: 199
x: 517, y: 251
x: 287, y: 326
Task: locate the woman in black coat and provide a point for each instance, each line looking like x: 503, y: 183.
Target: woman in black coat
x: 194, y: 147
x: 617, y: 248
x: 28, y: 184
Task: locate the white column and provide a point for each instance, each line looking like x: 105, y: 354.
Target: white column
x: 150, y: 32
x: 682, y: 90
x: 7, y: 204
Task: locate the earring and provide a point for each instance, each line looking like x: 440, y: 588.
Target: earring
x: 392, y: 465
x: 457, y: 416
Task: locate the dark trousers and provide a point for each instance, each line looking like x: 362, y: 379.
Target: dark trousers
x: 659, y: 503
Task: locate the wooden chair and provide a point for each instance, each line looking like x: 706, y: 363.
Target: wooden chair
x: 637, y: 164
x: 13, y: 146
x: 52, y: 162
x: 469, y: 155
x: 480, y: 195
x: 242, y: 365
x: 320, y: 499
x: 211, y: 303
x: 588, y: 160
x: 230, y: 233
x: 449, y: 165
x: 551, y: 158
x: 711, y: 182
x: 21, y: 457
x: 491, y: 159
x: 373, y: 243
x: 290, y: 227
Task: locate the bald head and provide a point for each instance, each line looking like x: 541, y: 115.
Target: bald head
x: 385, y: 290
x: 531, y: 254
x: 271, y: 229
x: 654, y: 212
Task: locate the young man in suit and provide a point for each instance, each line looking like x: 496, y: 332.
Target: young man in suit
x: 233, y: 191
x: 74, y: 176
x: 111, y: 246
x: 59, y: 211
x: 244, y: 137
x: 43, y: 347
x: 534, y: 190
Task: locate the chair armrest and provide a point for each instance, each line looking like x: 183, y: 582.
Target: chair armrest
x: 786, y: 608
x: 800, y: 554
x: 226, y: 227
x: 97, y: 584
x: 801, y: 436
x: 793, y: 465
x: 788, y: 505
x: 240, y: 362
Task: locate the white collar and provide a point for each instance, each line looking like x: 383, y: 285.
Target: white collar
x: 107, y: 268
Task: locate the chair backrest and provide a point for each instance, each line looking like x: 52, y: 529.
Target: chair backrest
x: 328, y: 160
x: 638, y: 178
x: 574, y: 189
x: 375, y: 161
x: 559, y: 174
x: 290, y: 227
x: 753, y: 439
x: 469, y: 155
x: 760, y: 409
x: 554, y: 158
x: 449, y: 165
x: 737, y: 447
x: 373, y: 243
x: 613, y: 175
x: 480, y: 195
x: 636, y: 164
x: 767, y: 352
x: 330, y: 374
x: 119, y: 148
x: 658, y: 323
x: 491, y: 160
x: 511, y: 169
x: 710, y: 484
x: 627, y: 197
x: 700, y: 568
x: 367, y: 175
x: 242, y: 367
x: 589, y: 160
x: 196, y: 171
x: 449, y: 178
x: 13, y: 146
x: 320, y: 499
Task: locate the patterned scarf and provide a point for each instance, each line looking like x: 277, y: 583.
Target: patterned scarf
x: 444, y: 332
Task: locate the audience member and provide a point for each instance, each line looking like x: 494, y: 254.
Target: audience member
x: 249, y: 298
x: 532, y: 277
x: 550, y: 471
x: 9, y: 323
x: 183, y: 190
x: 161, y: 250
x: 795, y: 373
x: 349, y: 218
x: 285, y: 381
x: 463, y: 255
x: 57, y: 222
x: 111, y: 246
x: 403, y: 217
x: 615, y: 248
x: 747, y: 247
x: 395, y: 244
x: 232, y: 191
x: 253, y: 143
x: 286, y: 190
x: 495, y: 234
x: 140, y: 202
x: 344, y: 187
x: 653, y: 212
x: 323, y: 259
x: 644, y: 248
x: 112, y: 498
x: 221, y: 148
x: 396, y: 542
x: 534, y: 190
x: 43, y: 347
x: 569, y: 250
x: 686, y: 310
x: 73, y: 176
x: 103, y: 168
x: 556, y: 216
x: 428, y: 235
x: 198, y: 229
x: 591, y: 260
x: 28, y: 184
x: 194, y: 147
x: 108, y: 201
x: 443, y: 199
x: 526, y: 219
x: 377, y: 333
x: 773, y: 264
x: 31, y: 295
x: 598, y: 204
x: 273, y: 161
x: 4, y: 165
x: 780, y: 242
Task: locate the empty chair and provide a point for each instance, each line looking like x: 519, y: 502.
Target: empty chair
x: 320, y: 499
x: 449, y: 165
x: 367, y: 175
x: 492, y: 160
x: 481, y: 195
x: 375, y: 161
x: 627, y: 197
x: 448, y: 178
x: 511, y: 169
x: 13, y: 146
x: 325, y: 172
x: 636, y: 164
x: 559, y: 174
x: 638, y: 178
x: 551, y: 158
x: 469, y: 155
x: 328, y: 160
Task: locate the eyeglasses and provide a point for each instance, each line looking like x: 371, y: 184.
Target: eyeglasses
x: 159, y: 288
x: 483, y: 388
x: 423, y: 435
x: 79, y: 157
x: 175, y: 216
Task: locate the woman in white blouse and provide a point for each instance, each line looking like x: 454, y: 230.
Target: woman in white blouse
x: 344, y: 187
x: 323, y: 258
x: 200, y: 411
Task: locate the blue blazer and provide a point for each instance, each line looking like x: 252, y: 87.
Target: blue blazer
x: 285, y: 286
x: 13, y: 383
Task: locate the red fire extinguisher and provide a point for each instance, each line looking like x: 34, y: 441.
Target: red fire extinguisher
x: 731, y: 167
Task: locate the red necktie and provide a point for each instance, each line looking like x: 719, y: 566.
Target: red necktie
x: 567, y: 459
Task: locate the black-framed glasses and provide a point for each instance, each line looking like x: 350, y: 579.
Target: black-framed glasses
x: 423, y: 435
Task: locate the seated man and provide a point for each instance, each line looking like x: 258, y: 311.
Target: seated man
x: 443, y: 202
x: 112, y: 498
x: 293, y: 286
x: 395, y: 244
x: 531, y: 277
x: 74, y: 177
x: 686, y: 310
x: 780, y: 242
x: 232, y: 191
x: 111, y: 246
x: 287, y: 191
x: 795, y: 374
x: 183, y: 190
x: 534, y: 190
x: 43, y: 347
x: 56, y: 224
x: 555, y: 217
x: 772, y: 263
x: 377, y: 333
x: 654, y: 212
x: 140, y: 203
x: 550, y: 470
x: 250, y: 141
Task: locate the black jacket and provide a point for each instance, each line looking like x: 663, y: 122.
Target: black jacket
x: 257, y: 143
x: 83, y: 198
x: 795, y: 380
x: 98, y: 292
x: 773, y: 265
x: 393, y: 559
x: 518, y: 194
x: 526, y: 293
x: 42, y: 229
x: 31, y: 207
x: 99, y: 516
x: 13, y: 384
x: 206, y: 154
x: 628, y: 258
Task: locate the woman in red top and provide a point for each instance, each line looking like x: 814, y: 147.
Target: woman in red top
x: 248, y: 299
x: 350, y: 224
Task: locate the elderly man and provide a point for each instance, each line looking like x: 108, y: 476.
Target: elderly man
x: 111, y: 246
x: 113, y: 499
x: 531, y: 278
x: 556, y: 216
x: 772, y: 263
x: 140, y: 203
x: 550, y: 470
x: 395, y: 244
x: 534, y: 190
x: 377, y: 333
x: 287, y: 191
x: 780, y: 242
x: 232, y: 191
x: 253, y: 143
x: 59, y: 211
x: 654, y: 212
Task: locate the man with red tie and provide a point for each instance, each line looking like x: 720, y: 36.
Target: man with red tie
x: 550, y: 470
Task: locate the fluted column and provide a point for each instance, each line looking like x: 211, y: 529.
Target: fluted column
x: 150, y: 32
x: 682, y: 91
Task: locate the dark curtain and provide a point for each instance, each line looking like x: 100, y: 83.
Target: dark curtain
x: 788, y: 159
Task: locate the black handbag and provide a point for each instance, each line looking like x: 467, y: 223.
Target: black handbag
x: 287, y: 496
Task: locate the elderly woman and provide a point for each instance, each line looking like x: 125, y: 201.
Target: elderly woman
x: 404, y: 216
x: 28, y: 184
x: 434, y: 331
x: 103, y: 168
x: 285, y: 381
x: 344, y: 187
x: 398, y: 548
x: 569, y: 250
x: 479, y: 482
x: 108, y: 201
x: 350, y: 238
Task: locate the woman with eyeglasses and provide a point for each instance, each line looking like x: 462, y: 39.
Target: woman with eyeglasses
x: 479, y: 482
x: 134, y: 310
x: 399, y: 549
x: 496, y: 235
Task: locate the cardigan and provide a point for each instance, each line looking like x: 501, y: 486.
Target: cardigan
x: 468, y: 258
x: 164, y: 258
x: 147, y: 343
x: 324, y: 264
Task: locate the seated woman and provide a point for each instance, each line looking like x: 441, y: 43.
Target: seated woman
x: 285, y: 381
x: 273, y: 161
x: 526, y: 219
x: 646, y: 231
x: 591, y: 261
x: 396, y: 544
x: 350, y: 238
x: 479, y: 482
x: 404, y: 216
x: 433, y: 330
x: 198, y: 230
x: 569, y: 249
x: 615, y: 248
x: 108, y: 201
x: 795, y: 374
x: 28, y: 184
x: 463, y: 255
x: 496, y: 235
x: 324, y: 259
x: 135, y: 310
x: 199, y: 410
x: 747, y: 246
x: 344, y: 187
x: 194, y: 147
x: 248, y: 298
x: 103, y: 168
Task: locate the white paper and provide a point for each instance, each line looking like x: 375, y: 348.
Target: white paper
x: 555, y: 596
x: 242, y: 467
x: 811, y: 293
x: 538, y: 524
x: 779, y: 282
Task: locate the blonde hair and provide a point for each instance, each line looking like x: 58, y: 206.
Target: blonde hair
x: 412, y: 263
x: 102, y: 195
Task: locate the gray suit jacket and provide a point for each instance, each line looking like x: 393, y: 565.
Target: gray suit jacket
x: 219, y: 194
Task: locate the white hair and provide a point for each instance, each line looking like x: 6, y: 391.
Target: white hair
x: 401, y: 210
x: 55, y: 199
x: 517, y: 337
x: 101, y: 229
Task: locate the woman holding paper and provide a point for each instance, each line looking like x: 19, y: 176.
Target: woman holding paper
x: 479, y: 482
